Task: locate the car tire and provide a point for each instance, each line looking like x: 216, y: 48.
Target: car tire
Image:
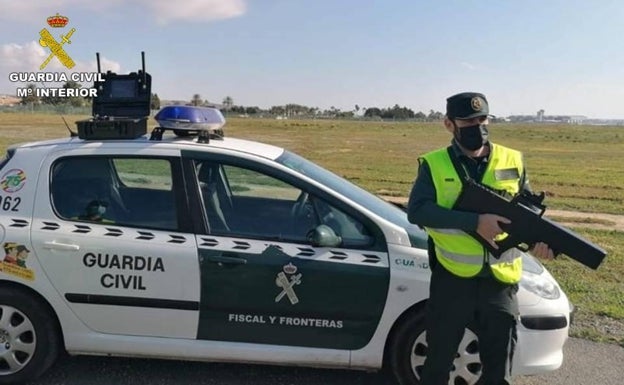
x: 29, y: 337
x: 408, y: 350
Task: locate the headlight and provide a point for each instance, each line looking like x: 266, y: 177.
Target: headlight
x: 539, y: 285
x: 531, y: 264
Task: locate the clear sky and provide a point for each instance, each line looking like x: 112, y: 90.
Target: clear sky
x: 563, y: 56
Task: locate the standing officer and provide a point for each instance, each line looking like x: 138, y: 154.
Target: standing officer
x: 469, y: 286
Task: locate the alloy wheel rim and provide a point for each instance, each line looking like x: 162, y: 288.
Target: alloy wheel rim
x: 17, y: 340
x: 466, y: 366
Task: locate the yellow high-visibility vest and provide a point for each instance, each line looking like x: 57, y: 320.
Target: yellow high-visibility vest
x: 456, y: 250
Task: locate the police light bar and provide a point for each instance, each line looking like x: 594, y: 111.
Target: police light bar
x: 190, y: 118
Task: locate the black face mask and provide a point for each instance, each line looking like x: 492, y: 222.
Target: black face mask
x: 471, y: 137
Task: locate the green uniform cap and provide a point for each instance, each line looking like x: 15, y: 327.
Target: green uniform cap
x: 467, y: 105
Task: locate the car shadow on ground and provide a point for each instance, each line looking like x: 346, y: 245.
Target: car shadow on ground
x: 92, y: 370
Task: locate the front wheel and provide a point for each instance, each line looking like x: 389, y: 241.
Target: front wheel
x: 409, y: 350
x: 29, y: 340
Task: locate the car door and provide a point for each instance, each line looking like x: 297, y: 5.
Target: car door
x: 263, y: 281
x: 112, y: 235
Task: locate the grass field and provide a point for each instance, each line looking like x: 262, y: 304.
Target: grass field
x: 579, y: 167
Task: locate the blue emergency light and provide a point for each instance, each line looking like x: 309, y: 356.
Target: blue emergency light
x: 205, y: 122
x: 190, y: 118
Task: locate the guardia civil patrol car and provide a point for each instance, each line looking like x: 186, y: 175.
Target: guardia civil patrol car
x: 189, y: 244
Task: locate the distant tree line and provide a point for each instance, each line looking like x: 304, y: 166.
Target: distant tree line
x: 227, y: 106
x: 293, y: 110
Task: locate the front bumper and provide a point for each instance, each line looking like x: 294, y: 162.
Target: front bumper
x: 542, y: 332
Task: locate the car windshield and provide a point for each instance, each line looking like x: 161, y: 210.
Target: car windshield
x: 353, y: 192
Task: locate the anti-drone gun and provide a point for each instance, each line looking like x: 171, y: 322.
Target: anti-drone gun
x: 527, y: 226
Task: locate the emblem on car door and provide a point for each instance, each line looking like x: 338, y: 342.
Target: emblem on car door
x: 287, y: 280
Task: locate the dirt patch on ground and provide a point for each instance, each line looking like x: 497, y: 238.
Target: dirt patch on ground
x: 589, y: 220
x: 566, y: 218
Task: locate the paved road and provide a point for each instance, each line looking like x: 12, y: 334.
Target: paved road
x: 585, y: 363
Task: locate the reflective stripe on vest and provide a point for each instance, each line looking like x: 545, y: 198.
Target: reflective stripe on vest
x: 456, y: 250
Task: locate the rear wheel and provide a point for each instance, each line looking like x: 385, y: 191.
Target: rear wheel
x: 29, y: 340
x: 409, y: 350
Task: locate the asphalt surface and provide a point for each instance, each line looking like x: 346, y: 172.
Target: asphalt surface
x: 585, y: 362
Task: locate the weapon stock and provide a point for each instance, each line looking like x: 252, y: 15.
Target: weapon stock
x: 527, y: 225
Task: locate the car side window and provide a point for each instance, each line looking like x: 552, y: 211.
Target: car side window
x: 247, y: 203
x: 134, y: 192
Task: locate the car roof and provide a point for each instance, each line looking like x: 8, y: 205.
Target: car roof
x: 170, y: 141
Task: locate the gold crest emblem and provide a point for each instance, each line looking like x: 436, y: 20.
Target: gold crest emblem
x: 56, y: 47
x: 476, y: 103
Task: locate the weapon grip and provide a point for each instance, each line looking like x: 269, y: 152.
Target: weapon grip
x: 495, y: 252
x: 509, y: 242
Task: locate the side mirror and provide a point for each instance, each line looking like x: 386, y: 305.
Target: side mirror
x: 323, y: 236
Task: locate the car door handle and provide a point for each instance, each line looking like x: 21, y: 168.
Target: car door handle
x: 226, y: 260
x: 53, y: 245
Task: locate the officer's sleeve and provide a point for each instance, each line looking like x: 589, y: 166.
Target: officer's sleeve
x: 423, y: 210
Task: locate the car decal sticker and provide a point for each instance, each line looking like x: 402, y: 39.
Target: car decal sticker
x: 13, y: 180
x: 50, y: 226
x: 18, y: 223
x: 209, y: 242
x: 9, y: 203
x: 305, y: 252
x: 177, y: 239
x: 82, y: 229
x: 144, y: 235
x: 278, y: 320
x: 371, y: 258
x: 241, y: 245
x: 14, y: 262
x: 269, y: 294
x: 121, y: 271
x: 409, y: 263
x: 339, y: 255
x: 286, y: 280
x: 96, y: 229
x: 368, y: 258
x: 113, y: 232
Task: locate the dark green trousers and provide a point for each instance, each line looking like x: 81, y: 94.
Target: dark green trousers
x: 488, y: 306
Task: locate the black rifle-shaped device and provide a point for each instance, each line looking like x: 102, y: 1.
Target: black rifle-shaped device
x: 527, y: 226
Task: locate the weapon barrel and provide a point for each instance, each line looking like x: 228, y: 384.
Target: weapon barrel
x: 527, y: 226
x: 564, y: 241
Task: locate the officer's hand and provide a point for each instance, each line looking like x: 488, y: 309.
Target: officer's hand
x: 542, y: 251
x: 488, y: 227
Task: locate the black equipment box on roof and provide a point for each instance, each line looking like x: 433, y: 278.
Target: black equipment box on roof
x: 121, y: 108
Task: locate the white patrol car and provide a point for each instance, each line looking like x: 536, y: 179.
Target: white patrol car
x: 218, y: 249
